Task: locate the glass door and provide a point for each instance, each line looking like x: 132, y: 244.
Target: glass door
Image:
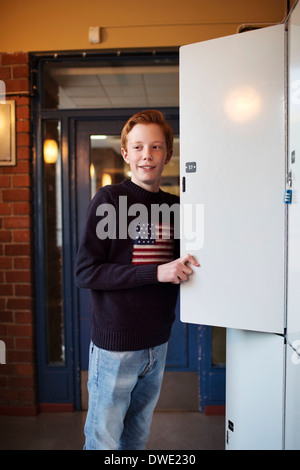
x: 108, y: 167
x: 82, y: 105
x: 98, y: 163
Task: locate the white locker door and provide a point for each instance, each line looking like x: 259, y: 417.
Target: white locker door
x: 254, y: 390
x: 232, y: 134
x: 292, y: 432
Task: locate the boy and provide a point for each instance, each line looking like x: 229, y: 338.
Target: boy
x: 133, y: 281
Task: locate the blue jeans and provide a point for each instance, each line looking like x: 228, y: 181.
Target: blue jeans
x: 123, y: 390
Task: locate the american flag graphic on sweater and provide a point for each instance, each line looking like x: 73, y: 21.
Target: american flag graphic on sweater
x: 153, y: 244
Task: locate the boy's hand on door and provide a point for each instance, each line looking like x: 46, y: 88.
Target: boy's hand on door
x: 176, y: 271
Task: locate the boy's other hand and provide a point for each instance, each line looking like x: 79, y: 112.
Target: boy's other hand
x: 176, y: 271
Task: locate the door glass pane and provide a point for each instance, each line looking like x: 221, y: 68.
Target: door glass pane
x: 218, y: 346
x: 53, y: 243
x: 108, y: 167
x: 108, y: 86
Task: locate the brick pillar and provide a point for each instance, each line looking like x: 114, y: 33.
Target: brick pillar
x: 18, y: 376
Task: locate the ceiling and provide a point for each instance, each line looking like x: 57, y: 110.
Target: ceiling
x: 114, y: 87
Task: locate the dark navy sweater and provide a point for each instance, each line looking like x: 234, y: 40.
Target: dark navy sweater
x: 129, y: 309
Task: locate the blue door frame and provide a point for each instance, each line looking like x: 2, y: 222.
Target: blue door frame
x: 191, y: 349
x: 190, y: 346
x: 182, y: 351
x: 211, y: 377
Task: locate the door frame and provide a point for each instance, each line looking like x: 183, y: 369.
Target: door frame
x: 212, y: 377
x: 80, y: 131
x: 182, y: 351
x: 66, y: 379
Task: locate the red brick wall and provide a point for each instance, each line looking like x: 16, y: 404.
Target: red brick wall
x: 18, y: 375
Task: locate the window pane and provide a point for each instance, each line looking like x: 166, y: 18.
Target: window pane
x: 218, y: 346
x: 136, y: 86
x: 53, y: 243
x: 107, y: 164
x: 170, y: 175
x: 108, y: 167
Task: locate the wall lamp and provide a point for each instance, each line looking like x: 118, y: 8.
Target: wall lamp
x: 50, y: 151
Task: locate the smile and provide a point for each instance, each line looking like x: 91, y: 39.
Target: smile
x: 146, y: 167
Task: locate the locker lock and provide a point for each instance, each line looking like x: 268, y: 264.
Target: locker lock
x: 230, y: 426
x: 288, y: 192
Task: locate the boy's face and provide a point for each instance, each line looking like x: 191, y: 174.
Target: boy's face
x: 147, y: 155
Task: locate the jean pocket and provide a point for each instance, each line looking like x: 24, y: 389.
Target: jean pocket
x: 93, y: 362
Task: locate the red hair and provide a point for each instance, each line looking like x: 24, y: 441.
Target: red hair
x: 149, y: 116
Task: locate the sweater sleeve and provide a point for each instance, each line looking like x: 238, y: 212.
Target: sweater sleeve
x: 93, y: 269
x: 109, y: 276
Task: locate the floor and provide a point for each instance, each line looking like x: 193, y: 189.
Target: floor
x: 177, y: 424
x: 171, y: 430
